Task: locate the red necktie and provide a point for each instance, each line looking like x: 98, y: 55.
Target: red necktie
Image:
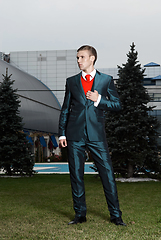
x: 88, y: 77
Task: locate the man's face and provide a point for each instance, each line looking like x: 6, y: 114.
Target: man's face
x: 85, y: 61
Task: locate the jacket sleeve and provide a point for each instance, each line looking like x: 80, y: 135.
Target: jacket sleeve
x: 64, y: 111
x: 111, y: 101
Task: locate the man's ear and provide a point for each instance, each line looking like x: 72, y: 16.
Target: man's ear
x: 92, y: 58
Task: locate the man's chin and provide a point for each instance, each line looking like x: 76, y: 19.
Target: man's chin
x: 81, y: 67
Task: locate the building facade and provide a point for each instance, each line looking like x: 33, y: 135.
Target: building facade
x: 50, y: 67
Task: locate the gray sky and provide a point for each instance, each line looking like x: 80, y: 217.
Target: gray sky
x: 108, y: 25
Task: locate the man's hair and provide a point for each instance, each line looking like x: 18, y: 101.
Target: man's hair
x: 91, y: 49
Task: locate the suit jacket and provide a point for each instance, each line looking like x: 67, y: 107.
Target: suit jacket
x: 78, y: 113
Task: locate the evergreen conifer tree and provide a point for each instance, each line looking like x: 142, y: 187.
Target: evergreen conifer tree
x: 132, y: 132
x: 14, y: 147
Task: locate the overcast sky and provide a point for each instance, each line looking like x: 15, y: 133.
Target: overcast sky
x: 108, y: 25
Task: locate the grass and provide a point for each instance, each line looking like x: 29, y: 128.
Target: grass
x: 41, y: 206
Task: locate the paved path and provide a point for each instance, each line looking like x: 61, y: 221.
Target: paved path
x: 136, y: 179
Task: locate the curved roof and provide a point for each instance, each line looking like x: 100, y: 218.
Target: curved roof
x: 40, y: 108
x: 157, y: 77
x: 152, y: 64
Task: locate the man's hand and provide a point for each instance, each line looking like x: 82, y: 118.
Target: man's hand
x: 63, y: 142
x: 93, y: 96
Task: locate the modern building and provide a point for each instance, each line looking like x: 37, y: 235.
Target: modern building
x: 50, y: 67
x: 39, y: 108
x: 152, y: 82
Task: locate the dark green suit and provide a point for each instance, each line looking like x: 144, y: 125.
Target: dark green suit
x: 83, y: 125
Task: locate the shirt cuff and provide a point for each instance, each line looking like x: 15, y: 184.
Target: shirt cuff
x: 62, y: 137
x: 98, y: 101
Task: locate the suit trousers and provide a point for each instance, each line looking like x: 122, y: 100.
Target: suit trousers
x: 101, y: 157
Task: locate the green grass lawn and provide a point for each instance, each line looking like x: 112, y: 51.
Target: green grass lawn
x: 41, y: 206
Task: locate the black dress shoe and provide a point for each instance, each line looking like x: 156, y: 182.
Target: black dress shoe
x: 118, y: 221
x: 78, y: 220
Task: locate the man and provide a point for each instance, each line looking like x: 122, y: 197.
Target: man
x: 81, y: 126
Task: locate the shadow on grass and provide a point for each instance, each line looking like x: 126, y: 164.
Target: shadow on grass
x: 97, y: 213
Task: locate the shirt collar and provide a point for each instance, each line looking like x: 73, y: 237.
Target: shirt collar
x: 93, y: 73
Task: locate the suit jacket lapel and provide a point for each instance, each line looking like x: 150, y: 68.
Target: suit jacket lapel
x: 79, y: 85
x: 96, y: 81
